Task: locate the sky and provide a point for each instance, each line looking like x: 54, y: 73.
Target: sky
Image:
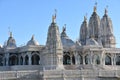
x: 25, y: 18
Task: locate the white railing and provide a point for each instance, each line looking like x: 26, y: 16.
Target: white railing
x: 32, y: 74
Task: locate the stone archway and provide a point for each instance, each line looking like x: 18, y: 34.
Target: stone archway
x: 86, y: 59
x: 96, y: 59
x: 108, y: 60
x: 80, y: 59
x: 13, y: 60
x: 117, y: 60
x: 26, y: 60
x: 66, y: 59
x: 35, y: 59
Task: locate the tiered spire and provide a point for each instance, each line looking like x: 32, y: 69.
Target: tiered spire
x: 107, y: 35
x: 83, y: 31
x: 54, y: 45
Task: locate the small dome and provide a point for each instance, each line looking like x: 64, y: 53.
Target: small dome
x: 11, y: 41
x: 92, y: 41
x: 66, y: 41
x: 32, y: 42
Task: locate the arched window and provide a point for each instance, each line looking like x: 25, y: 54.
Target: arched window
x: 86, y: 59
x: 35, y: 59
x: 13, y: 60
x: 66, y: 59
x: 117, y: 60
x: 96, y: 59
x: 26, y: 60
x: 107, y: 60
x: 21, y: 60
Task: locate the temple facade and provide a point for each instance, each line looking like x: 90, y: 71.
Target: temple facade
x: 93, y: 57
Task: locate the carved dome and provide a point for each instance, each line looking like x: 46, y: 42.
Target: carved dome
x: 32, y: 42
x: 66, y: 41
x: 92, y: 41
x: 11, y: 43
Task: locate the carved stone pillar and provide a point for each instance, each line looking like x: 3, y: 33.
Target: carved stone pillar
x: 23, y: 60
x: 29, y: 55
x: 19, y: 60
x: 4, y: 61
x: 76, y: 58
x: 90, y: 57
x: 114, y: 59
x: 83, y: 60
x: 7, y: 59
x: 102, y: 59
x: 71, y: 59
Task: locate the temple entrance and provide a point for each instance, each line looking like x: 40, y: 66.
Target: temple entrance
x: 35, y: 59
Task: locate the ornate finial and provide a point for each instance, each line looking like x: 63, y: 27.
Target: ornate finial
x: 64, y: 28
x: 95, y: 7
x: 106, y: 9
x: 32, y: 37
x: 85, y: 18
x: 54, y: 16
x: 10, y: 34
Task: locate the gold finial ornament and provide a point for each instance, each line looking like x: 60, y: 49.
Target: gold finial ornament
x: 54, y: 16
x: 95, y: 7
